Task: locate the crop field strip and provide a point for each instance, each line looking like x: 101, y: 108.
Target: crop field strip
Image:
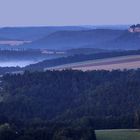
x: 128, y: 62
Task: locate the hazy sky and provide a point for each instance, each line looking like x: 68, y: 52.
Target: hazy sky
x: 68, y: 12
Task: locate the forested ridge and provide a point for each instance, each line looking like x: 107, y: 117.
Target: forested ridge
x: 44, y: 131
x: 105, y: 99
x: 23, y: 113
x: 61, y: 105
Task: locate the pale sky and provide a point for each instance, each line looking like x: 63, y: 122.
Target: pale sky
x: 68, y: 12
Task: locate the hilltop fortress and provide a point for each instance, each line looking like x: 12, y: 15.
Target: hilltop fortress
x: 134, y: 28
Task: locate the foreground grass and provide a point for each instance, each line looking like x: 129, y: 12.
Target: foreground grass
x: 118, y: 134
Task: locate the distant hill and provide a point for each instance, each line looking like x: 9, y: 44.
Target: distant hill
x: 113, y: 27
x: 102, y: 99
x: 33, y: 33
x: 85, y: 50
x: 76, y: 39
x: 127, y: 40
x: 73, y: 37
x: 4, y: 38
x: 98, y: 38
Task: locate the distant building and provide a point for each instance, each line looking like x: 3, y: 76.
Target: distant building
x: 134, y: 28
x: 52, y: 52
x: 47, y: 52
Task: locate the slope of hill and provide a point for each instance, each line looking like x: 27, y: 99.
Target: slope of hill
x: 97, y: 38
x: 97, y: 99
x: 33, y: 33
x: 126, y: 40
x: 72, y: 38
x: 86, y: 50
x: 123, y: 62
x: 46, y: 61
x: 78, y: 58
x: 76, y: 39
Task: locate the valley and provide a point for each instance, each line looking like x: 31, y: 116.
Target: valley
x: 87, y: 66
x: 69, y: 70
x: 70, y: 37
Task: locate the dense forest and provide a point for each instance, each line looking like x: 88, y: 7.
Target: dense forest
x: 4, y: 70
x: 44, y: 131
x: 99, y: 99
x: 62, y: 105
x: 21, y: 125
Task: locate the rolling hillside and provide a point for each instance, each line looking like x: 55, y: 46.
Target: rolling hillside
x: 33, y: 33
x: 64, y: 38
x: 94, y: 38
x: 79, y: 58
x: 77, y: 39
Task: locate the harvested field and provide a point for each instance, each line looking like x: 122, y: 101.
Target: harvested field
x: 124, y: 62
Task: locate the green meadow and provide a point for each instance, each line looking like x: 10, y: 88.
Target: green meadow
x: 125, y: 134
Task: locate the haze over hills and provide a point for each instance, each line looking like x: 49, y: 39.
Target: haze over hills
x: 76, y: 39
x: 24, y: 35
x: 32, y: 33
x: 114, y: 27
x: 97, y: 38
x: 69, y: 37
x: 53, y: 42
x: 69, y: 70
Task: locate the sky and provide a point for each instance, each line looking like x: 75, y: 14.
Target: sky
x: 68, y: 12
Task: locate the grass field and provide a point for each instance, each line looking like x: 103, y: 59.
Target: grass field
x: 118, y: 134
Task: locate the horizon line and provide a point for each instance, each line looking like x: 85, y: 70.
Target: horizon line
x: 73, y: 25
